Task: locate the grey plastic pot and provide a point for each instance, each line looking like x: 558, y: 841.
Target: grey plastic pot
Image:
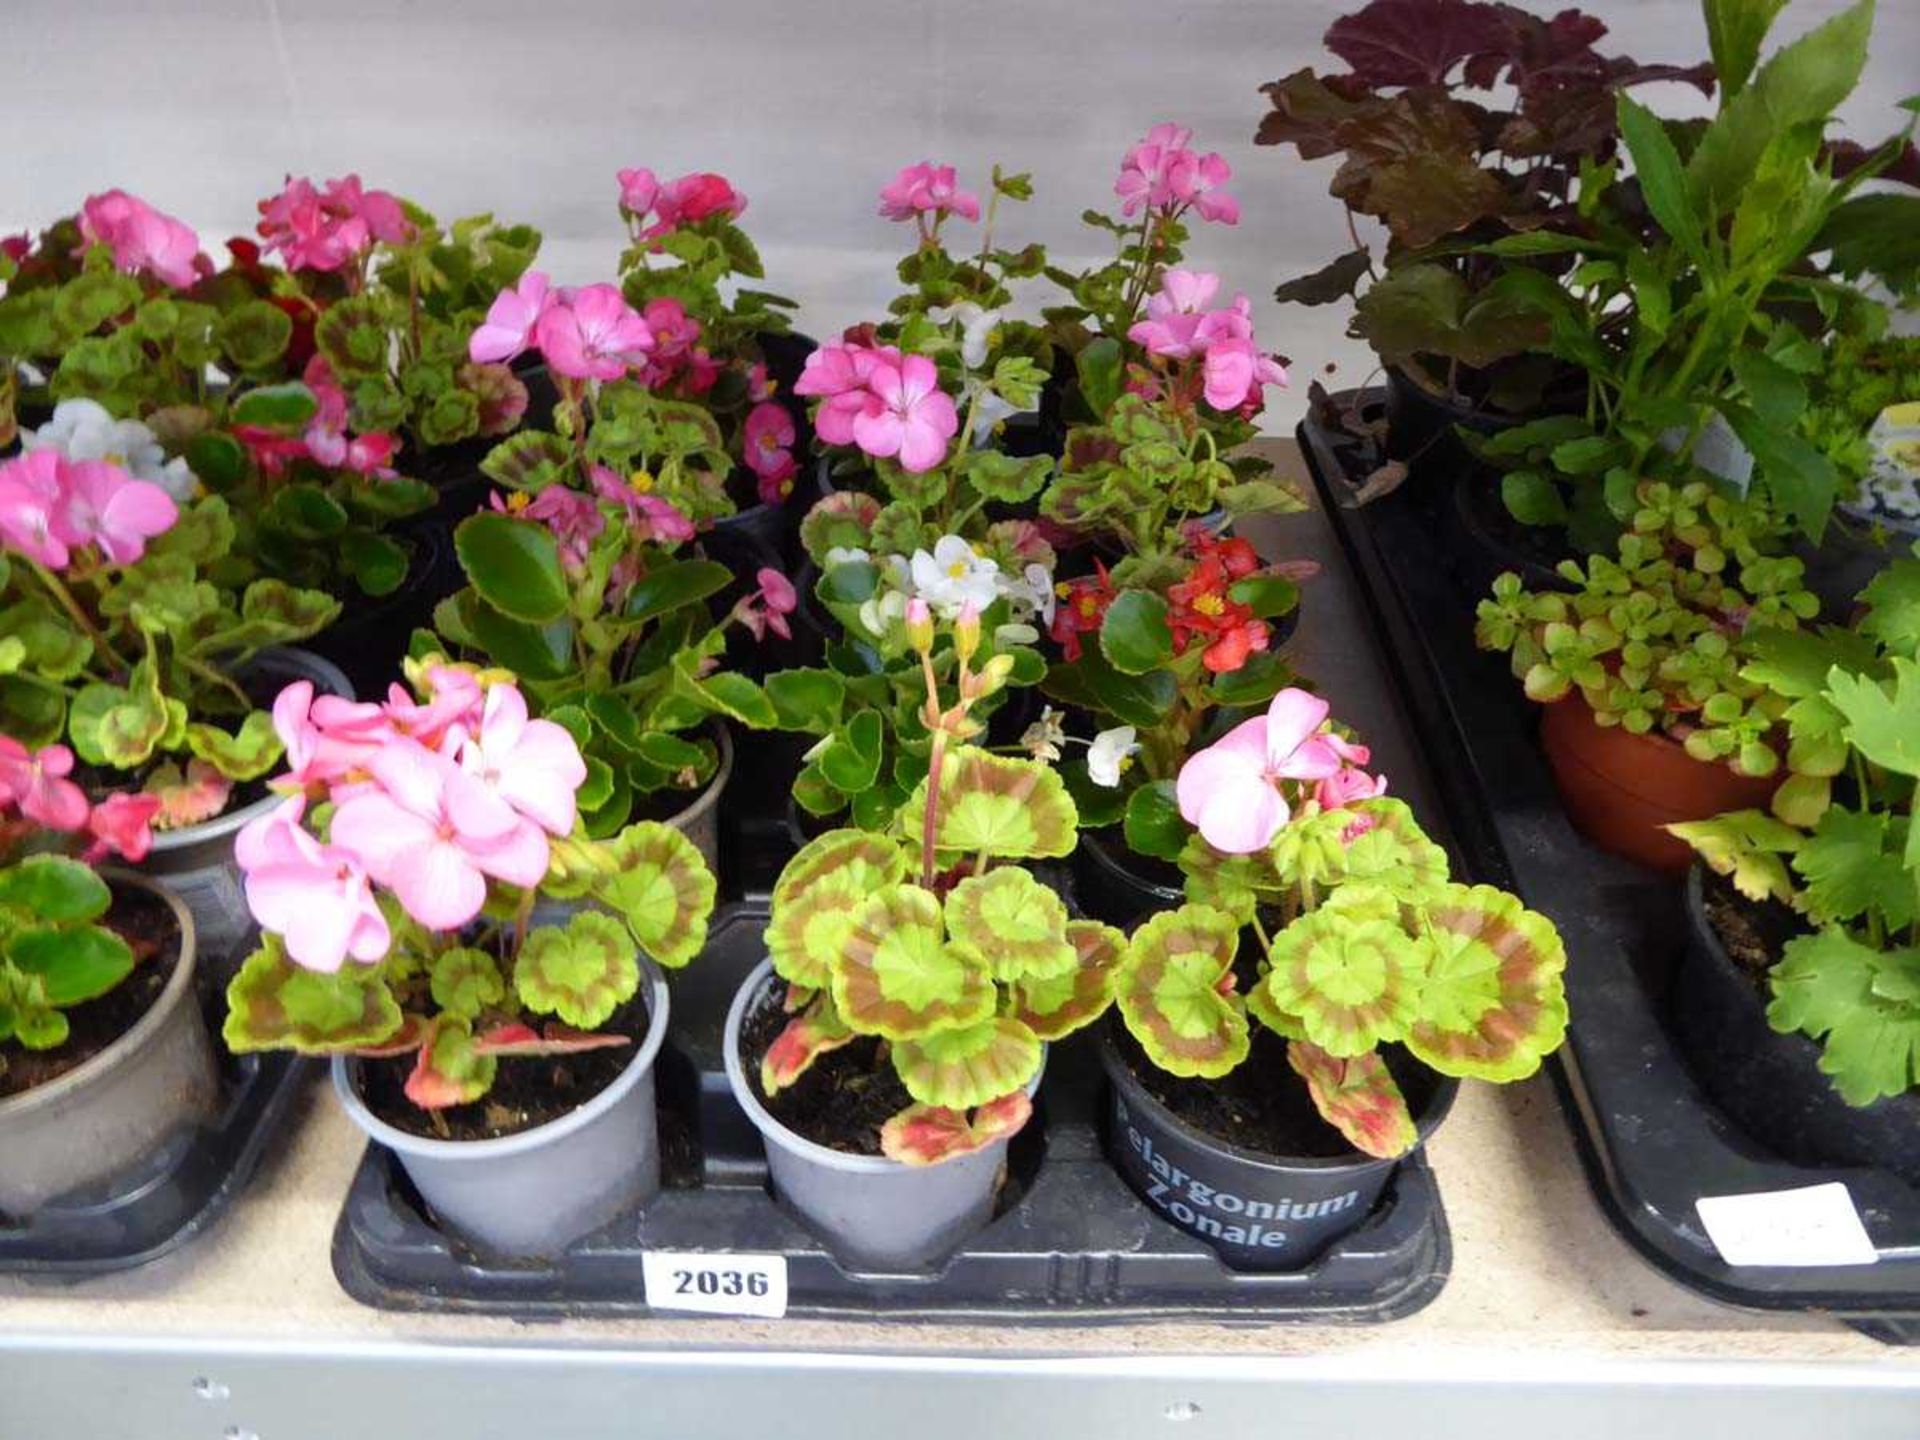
x: 874, y: 1213
x: 535, y: 1193
x: 196, y: 862
x: 101, y: 1118
x: 700, y: 820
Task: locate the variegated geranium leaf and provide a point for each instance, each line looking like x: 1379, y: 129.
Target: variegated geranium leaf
x: 1348, y: 972
x: 1357, y: 1095
x: 449, y: 1070
x: 808, y: 1035
x: 1175, y: 991
x: 1012, y: 924
x: 928, y: 1134
x: 968, y: 1066
x: 1493, y: 1004
x: 840, y: 521
x: 997, y: 806
x: 273, y: 1004
x: 828, y: 879
x: 1382, y: 844
x: 520, y: 1040
x: 1056, y: 1007
x: 582, y: 973
x: 466, y: 981
x: 1226, y: 882
x: 658, y: 883
x: 898, y: 978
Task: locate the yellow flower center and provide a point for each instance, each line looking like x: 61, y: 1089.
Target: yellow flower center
x: 518, y: 501
x: 641, y: 482
x: 1062, y: 589
x: 957, y: 570
x: 1209, y: 604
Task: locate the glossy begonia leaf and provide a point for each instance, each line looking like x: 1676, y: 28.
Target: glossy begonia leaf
x: 273, y: 1004
x: 897, y: 977
x: 582, y: 972
x: 1174, y: 989
x: 998, y: 806
x: 928, y: 1134
x: 811, y: 914
x: 1056, y: 1007
x: 1348, y: 971
x: 1012, y: 924
x: 807, y: 1036
x: 449, y: 1069
x: 1492, y: 1005
x: 968, y: 1066
x: 514, y: 564
x: 1863, y: 1004
x: 659, y: 885
x: 72, y: 962
x: 1358, y: 1097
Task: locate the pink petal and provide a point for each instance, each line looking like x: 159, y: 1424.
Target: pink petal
x: 438, y: 884
x: 1292, y: 716
x: 375, y: 831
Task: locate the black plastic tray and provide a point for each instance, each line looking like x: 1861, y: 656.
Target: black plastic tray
x: 1070, y: 1242
x: 1651, y: 1141
x: 178, y: 1192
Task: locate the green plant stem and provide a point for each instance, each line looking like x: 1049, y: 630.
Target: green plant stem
x: 55, y: 587
x: 930, y: 819
x: 212, y: 676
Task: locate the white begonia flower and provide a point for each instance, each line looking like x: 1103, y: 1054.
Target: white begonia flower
x: 989, y: 409
x: 1110, y: 754
x: 953, y: 576
x: 977, y: 325
x: 1043, y: 739
x: 879, y: 613
x: 1030, y: 593
x: 846, y: 555
x: 84, y: 430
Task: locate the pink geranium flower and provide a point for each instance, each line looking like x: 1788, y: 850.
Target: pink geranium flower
x: 592, y: 334
x: 914, y: 418
x: 327, y: 739
x: 838, y: 376
x: 143, y: 241
x: 532, y: 765
x: 454, y: 701
x: 32, y: 489
x: 122, y: 824
x: 326, y: 229
x: 102, y: 507
x: 1348, y: 785
x: 638, y: 190
x: 927, y: 189
x: 1165, y: 173
x: 1230, y: 790
x: 316, y: 897
x: 508, y: 329
x: 37, y: 783
x: 1236, y: 374
x: 433, y: 834
x: 1175, y: 313
x: 694, y: 197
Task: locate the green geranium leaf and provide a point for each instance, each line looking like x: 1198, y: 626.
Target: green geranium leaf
x: 1492, y: 1006
x: 1009, y: 922
x: 1001, y: 807
x: 273, y: 1004
x: 656, y: 881
x: 245, y: 755
x: 1174, y: 989
x: 898, y: 978
x: 970, y: 1065
x: 1348, y: 972
x: 816, y: 896
x: 466, y: 981
x: 1358, y: 1097
x: 582, y: 973
x: 1055, y: 1007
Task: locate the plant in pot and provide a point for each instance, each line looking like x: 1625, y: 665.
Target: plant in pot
x: 1811, y: 909
x: 103, y: 1050
x: 1697, y: 333
x: 889, y: 1047
x: 1467, y: 132
x: 1652, y: 713
x: 483, y: 972
x: 128, y: 662
x: 1317, y: 908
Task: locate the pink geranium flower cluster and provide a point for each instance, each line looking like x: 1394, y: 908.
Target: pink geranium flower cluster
x: 1163, y: 172
x: 326, y: 440
x: 584, y: 333
x: 143, y: 241
x: 433, y: 798
x: 656, y: 208
x: 1179, y: 326
x: 888, y: 403
x: 326, y: 229
x: 1240, y: 791
x: 677, y: 362
x: 926, y: 192
x: 52, y: 507
x: 35, y: 789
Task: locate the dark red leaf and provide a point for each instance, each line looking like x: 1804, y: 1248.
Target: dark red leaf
x: 1418, y: 42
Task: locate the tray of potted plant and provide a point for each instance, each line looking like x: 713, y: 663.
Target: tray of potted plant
x: 887, y: 1089
x: 1670, y: 659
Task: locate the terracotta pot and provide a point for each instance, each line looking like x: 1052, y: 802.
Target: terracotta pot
x: 1620, y: 788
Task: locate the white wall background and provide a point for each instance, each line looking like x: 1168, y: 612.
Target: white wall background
x: 527, y: 107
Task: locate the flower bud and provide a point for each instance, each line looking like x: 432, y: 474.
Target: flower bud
x: 994, y: 673
x: 920, y: 626
x: 966, y: 630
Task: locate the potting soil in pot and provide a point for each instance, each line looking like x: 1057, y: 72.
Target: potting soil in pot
x: 841, y: 1101
x: 143, y: 920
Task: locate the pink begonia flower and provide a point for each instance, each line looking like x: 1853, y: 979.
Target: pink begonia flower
x: 1229, y: 790
x: 761, y: 385
x: 317, y: 898
x: 454, y: 701
x: 592, y: 334
x: 769, y: 605
x: 143, y: 241
x: 511, y: 319
x: 533, y: 765
x: 102, y: 507
x: 768, y: 435
x: 32, y: 490
x: 576, y: 522
x: 122, y: 824
x: 1175, y: 313
x: 37, y: 783
x: 914, y: 419
x: 433, y: 834
x: 1162, y: 171
x: 638, y: 190
x: 328, y: 738
x: 326, y: 229
x: 647, y: 516
x: 925, y: 189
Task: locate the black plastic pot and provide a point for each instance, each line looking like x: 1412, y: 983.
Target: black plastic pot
x: 1421, y: 433
x: 369, y: 640
x: 1771, y: 1083
x: 1478, y: 544
x: 1258, y: 1212
x: 1113, y: 884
